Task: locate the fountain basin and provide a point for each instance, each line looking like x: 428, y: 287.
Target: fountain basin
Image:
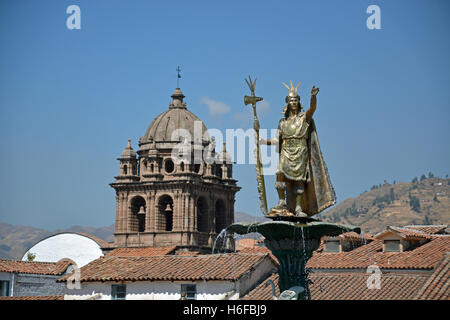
x: 293, y: 244
x: 277, y: 230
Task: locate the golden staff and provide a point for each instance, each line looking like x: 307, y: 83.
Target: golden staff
x: 259, y: 169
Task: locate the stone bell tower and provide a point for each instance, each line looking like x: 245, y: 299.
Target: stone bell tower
x: 184, y: 201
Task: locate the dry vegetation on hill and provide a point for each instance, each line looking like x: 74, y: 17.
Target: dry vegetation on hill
x: 422, y: 201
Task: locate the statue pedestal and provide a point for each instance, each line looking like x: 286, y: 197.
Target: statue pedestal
x: 293, y: 244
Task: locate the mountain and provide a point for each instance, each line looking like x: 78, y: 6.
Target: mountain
x: 16, y: 240
x: 245, y: 217
x: 104, y: 233
x: 419, y: 202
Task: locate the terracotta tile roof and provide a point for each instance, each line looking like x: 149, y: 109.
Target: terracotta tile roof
x: 101, y: 243
x: 58, y: 297
x: 261, y: 249
x: 427, y: 256
x: 245, y: 243
x: 63, y: 264
x: 171, y: 267
x: 353, y: 286
x: 351, y: 236
x: 188, y: 253
x: 264, y: 290
x: 405, y: 233
x: 430, y: 229
x: 350, y: 286
x: 437, y: 286
x: 141, y: 252
x: 47, y: 268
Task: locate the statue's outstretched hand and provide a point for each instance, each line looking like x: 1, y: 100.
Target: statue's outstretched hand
x: 314, y: 91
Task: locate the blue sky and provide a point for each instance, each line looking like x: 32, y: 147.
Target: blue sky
x: 70, y: 99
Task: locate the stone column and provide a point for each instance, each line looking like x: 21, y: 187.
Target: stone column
x: 224, y: 172
x: 149, y: 212
x: 155, y: 213
x: 123, y: 213
x: 117, y: 228
x: 193, y: 213
x: 212, y: 199
x: 185, y: 204
x: 128, y: 215
x: 176, y: 214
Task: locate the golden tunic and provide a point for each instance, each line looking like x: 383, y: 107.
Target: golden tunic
x: 294, y: 155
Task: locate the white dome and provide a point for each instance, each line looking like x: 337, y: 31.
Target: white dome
x: 82, y: 249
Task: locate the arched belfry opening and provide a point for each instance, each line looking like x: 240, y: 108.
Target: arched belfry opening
x: 164, y: 219
x: 138, y: 209
x: 220, y: 216
x: 202, y: 215
x: 162, y: 200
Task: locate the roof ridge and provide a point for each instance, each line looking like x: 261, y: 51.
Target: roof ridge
x: 25, y: 261
x: 206, y: 255
x: 414, y: 230
x: 427, y: 225
x: 439, y: 235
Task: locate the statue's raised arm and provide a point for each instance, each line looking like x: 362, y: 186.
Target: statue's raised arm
x: 313, y: 105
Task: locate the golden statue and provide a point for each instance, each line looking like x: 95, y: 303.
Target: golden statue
x: 303, y: 184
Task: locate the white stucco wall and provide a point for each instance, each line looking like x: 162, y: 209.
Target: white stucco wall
x: 79, y: 248
x: 157, y: 290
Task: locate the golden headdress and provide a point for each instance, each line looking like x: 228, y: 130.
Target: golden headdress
x: 292, y: 93
x: 292, y: 90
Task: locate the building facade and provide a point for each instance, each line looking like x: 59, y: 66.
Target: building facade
x: 175, y: 190
x: 30, y: 279
x: 226, y: 276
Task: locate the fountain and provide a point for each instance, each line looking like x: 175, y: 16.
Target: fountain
x: 293, y: 243
x: 304, y: 189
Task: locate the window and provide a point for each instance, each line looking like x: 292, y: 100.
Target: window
x: 332, y: 246
x: 219, y: 171
x: 392, y: 245
x: 118, y: 291
x: 4, y: 288
x: 190, y: 291
x: 169, y: 166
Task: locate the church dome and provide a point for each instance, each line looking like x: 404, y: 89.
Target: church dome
x: 176, y: 117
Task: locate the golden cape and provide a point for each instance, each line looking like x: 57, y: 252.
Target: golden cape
x: 319, y: 192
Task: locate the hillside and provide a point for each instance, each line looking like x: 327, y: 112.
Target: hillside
x: 16, y: 240
x: 420, y: 202
x: 245, y: 217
